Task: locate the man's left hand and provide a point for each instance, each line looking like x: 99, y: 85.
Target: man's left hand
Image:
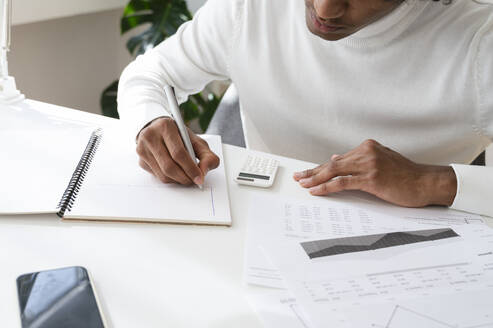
x: 384, y: 173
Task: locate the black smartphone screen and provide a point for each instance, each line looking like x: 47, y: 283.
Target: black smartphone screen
x: 58, y: 298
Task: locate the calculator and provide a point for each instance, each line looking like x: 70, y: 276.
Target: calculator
x: 257, y: 171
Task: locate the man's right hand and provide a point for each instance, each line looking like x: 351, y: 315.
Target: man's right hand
x: 163, y: 154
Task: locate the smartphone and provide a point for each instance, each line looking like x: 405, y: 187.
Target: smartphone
x: 59, y: 298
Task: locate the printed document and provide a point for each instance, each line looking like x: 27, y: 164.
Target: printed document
x: 271, y: 217
x: 375, y: 287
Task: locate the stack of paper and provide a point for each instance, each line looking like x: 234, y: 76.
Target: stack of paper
x: 330, y: 264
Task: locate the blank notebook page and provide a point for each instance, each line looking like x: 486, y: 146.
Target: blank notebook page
x: 36, y: 167
x: 117, y: 188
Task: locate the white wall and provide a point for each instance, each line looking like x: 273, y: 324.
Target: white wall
x: 68, y: 61
x: 30, y: 11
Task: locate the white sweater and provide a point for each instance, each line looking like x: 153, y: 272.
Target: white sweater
x: 419, y: 81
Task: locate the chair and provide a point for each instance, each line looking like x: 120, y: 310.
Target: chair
x: 226, y: 122
x: 480, y: 160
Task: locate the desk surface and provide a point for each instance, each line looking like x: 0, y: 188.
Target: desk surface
x: 146, y: 275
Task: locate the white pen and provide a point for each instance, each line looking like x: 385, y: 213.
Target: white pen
x: 175, y: 112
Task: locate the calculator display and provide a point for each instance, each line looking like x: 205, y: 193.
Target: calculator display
x: 253, y: 176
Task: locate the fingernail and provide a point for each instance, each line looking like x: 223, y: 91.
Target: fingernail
x: 298, y: 175
x: 305, y: 181
x: 198, y: 180
x: 314, y: 190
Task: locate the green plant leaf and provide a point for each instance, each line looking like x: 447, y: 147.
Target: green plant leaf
x: 133, y: 10
x: 108, y: 100
x: 138, y: 44
x: 130, y: 22
x: 209, y: 111
x: 137, y: 5
x: 164, y: 17
x: 207, y: 107
x: 190, y: 110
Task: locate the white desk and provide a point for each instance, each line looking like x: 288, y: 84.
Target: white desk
x: 147, y: 275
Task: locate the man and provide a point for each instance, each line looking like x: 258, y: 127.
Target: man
x: 334, y: 82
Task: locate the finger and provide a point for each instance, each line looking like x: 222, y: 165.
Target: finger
x: 330, y: 171
x: 180, y: 154
x: 150, y: 162
x: 351, y: 153
x: 208, y: 160
x: 144, y: 165
x: 307, y: 173
x: 146, y: 159
x: 335, y: 157
x: 336, y: 185
x: 165, y: 163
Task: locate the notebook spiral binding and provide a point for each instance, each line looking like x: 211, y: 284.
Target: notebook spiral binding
x: 79, y: 174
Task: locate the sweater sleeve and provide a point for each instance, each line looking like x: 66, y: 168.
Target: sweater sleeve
x: 475, y: 184
x: 474, y: 189
x: 197, y: 54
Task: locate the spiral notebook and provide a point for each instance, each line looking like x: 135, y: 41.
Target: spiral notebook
x: 94, y: 175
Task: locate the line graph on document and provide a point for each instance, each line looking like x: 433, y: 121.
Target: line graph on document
x: 403, y: 317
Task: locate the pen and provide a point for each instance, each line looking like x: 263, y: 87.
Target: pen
x: 175, y: 112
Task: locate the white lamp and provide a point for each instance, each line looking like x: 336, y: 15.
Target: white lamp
x: 8, y: 89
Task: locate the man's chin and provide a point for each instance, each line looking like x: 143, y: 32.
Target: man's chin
x: 328, y: 36
x: 324, y: 35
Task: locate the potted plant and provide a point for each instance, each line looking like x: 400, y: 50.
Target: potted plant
x: 163, y: 18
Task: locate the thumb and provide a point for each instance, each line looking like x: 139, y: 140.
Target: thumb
x: 207, y: 159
